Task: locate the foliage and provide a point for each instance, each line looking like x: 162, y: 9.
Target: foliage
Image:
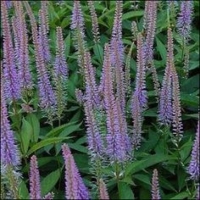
x: 39, y: 132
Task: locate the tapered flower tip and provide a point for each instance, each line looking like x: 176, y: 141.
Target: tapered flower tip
x: 193, y: 168
x: 185, y: 18
x: 77, y: 20
x: 155, y: 186
x: 9, y: 150
x: 74, y: 186
x: 35, y: 192
x: 103, y: 194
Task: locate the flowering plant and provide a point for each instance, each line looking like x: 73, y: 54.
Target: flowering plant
x: 99, y: 100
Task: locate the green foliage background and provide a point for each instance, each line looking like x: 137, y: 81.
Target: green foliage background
x: 157, y: 149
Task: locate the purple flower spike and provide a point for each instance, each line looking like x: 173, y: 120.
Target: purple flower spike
x: 95, y: 25
x: 140, y: 87
x: 117, y: 55
x: 193, y: 168
x: 155, y: 194
x: 61, y: 69
x: 137, y: 121
x: 77, y: 18
x: 35, y: 192
x: 185, y: 18
x: 165, y: 104
x: 150, y: 29
x: 176, y: 105
x: 117, y: 138
x: 9, y: 150
x: 46, y: 94
x: 8, y: 4
x: 103, y: 194
x: 22, y: 47
x: 42, y: 36
x: 74, y: 186
x: 95, y: 143
x: 91, y: 86
x: 12, y: 88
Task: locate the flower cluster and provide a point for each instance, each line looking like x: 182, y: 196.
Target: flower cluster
x: 11, y: 78
x: 155, y: 186
x: 9, y: 149
x: 185, y: 18
x: 193, y: 168
x: 74, y: 186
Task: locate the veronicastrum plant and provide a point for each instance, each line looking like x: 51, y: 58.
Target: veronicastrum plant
x: 99, y: 100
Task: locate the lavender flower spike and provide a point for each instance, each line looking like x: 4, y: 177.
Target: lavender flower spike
x: 151, y: 26
x: 165, y: 104
x: 193, y: 168
x: 74, y: 186
x: 35, y: 192
x: 140, y: 85
x: 61, y: 69
x: 12, y: 89
x: 9, y: 150
x: 77, y: 25
x: 103, y: 194
x: 77, y: 17
x: 91, y: 86
x: 137, y: 121
x: 176, y: 107
x: 117, y: 138
x: 95, y: 144
x: 60, y: 75
x: 95, y: 26
x: 46, y: 93
x: 185, y: 18
x: 42, y: 35
x: 23, y: 58
x: 155, y: 194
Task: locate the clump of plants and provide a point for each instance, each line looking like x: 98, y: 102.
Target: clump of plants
x: 99, y: 100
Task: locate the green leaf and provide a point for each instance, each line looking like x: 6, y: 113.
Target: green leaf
x: 23, y: 190
x: 189, y: 100
x: 65, y: 22
x: 132, y: 14
x: 149, y: 161
x: 182, y: 176
x: 161, y: 49
x: 143, y: 178
x: 33, y: 120
x: 125, y: 191
x: 186, y: 149
x: 82, y: 161
x: 78, y: 147
x: 193, y: 64
x: 181, y: 195
x: 67, y: 45
x: 164, y: 183
x: 70, y: 129
x: 45, y: 142
x: 144, y: 193
x: 190, y: 85
x: 98, y: 51
x: 56, y: 131
x: 50, y: 181
x: 26, y: 134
